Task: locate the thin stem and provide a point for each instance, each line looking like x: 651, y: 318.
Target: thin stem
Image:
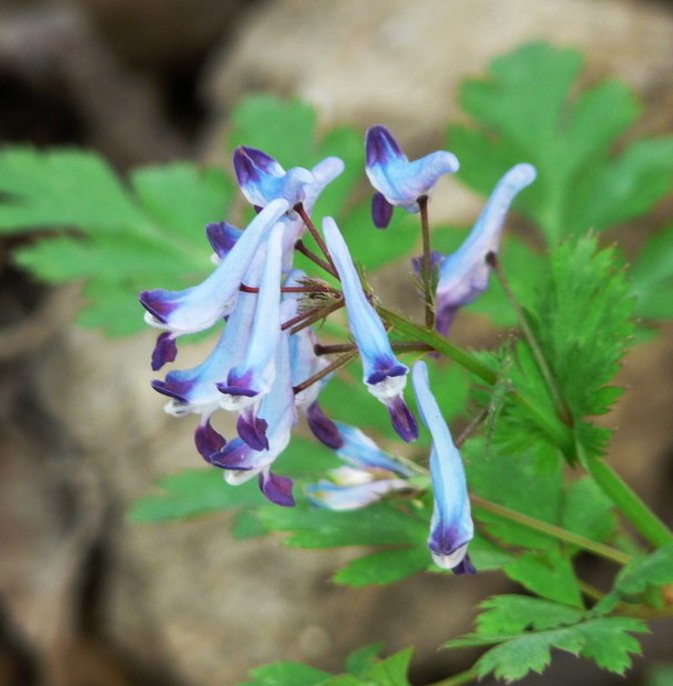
x: 426, y: 270
x: 301, y: 247
x: 536, y: 349
x: 590, y: 591
x: 319, y: 313
x: 316, y: 288
x: 471, y: 427
x: 299, y: 208
x: 627, y: 500
x: 552, y: 530
x: 337, y: 364
x: 400, y: 346
x: 466, y: 677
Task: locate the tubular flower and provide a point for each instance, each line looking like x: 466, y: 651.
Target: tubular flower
x: 397, y: 180
x: 384, y: 376
x: 249, y: 381
x: 277, y: 411
x: 463, y: 275
x: 199, y: 307
x: 262, y: 179
x: 451, y: 528
x: 371, y: 474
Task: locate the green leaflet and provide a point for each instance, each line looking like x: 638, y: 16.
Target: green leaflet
x: 526, y: 111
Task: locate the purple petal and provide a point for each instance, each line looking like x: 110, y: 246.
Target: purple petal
x: 323, y: 428
x: 165, y: 350
x: 278, y: 489
x: 158, y: 303
x: 435, y: 260
x: 385, y: 367
x: 380, y: 146
x: 382, y: 211
x: 402, y: 419
x: 173, y: 388
x: 444, y: 319
x: 252, y: 430
x: 235, y: 455
x: 208, y: 442
x: 222, y: 237
x: 464, y: 567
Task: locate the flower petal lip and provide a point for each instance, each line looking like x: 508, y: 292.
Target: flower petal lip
x: 451, y: 527
x: 343, y: 498
x: 222, y: 237
x: 400, y: 181
x: 199, y: 307
x: 463, y: 275
x: 362, y: 452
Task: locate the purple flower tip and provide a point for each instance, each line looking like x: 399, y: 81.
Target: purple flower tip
x: 253, y: 431
x: 208, y: 442
x: 380, y: 145
x: 156, y: 304
x: 382, y: 211
x: 402, y: 419
x: 278, y: 489
x: 323, y: 428
x: 222, y: 237
x: 465, y: 566
x: 165, y: 350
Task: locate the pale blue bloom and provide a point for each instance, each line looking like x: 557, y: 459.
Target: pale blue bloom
x: 451, y: 528
x: 463, y: 275
x: 277, y: 410
x: 249, y: 381
x: 199, y: 307
x: 384, y: 376
x: 371, y: 475
x: 262, y: 178
x: 397, y: 180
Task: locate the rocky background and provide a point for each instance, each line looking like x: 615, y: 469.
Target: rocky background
x: 87, y: 599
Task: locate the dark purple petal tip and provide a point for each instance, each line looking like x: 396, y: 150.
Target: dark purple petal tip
x: 253, y: 431
x: 165, y: 350
x: 236, y: 390
x: 382, y: 211
x: 173, y: 389
x: 380, y: 146
x: 435, y: 260
x: 323, y: 428
x: 386, y: 367
x: 465, y: 566
x: 278, y: 489
x: 222, y: 237
x: 208, y: 442
x: 402, y: 419
x: 157, y: 303
x: 235, y: 455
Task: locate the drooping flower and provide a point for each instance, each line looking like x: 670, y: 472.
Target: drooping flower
x: 384, y: 376
x: 199, y: 307
x: 451, y: 527
x: 248, y: 382
x: 463, y: 275
x: 277, y: 410
x: 371, y: 474
x: 397, y: 180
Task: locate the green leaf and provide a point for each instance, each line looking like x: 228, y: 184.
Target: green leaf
x: 529, y: 109
x: 384, y: 567
x: 549, y: 575
x: 510, y: 614
x: 653, y: 570
x: 392, y: 671
x: 363, y: 659
x: 588, y: 511
x: 652, y: 277
x: 286, y: 673
x: 606, y: 641
x: 193, y: 492
x: 662, y: 675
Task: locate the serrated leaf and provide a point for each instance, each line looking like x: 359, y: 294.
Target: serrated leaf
x: 527, y: 110
x: 655, y: 569
x: 652, y: 277
x: 362, y: 659
x: 392, y: 671
x: 549, y: 575
x: 384, y: 567
x: 509, y: 614
x: 607, y: 641
x: 588, y: 511
x: 286, y: 673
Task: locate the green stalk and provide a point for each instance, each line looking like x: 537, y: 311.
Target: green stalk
x: 626, y: 499
x: 458, y: 679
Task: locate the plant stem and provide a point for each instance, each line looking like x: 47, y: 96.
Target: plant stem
x: 552, y: 386
x: 318, y: 314
x: 590, y: 591
x: 552, y: 530
x: 317, y: 237
x: 627, y: 500
x: 400, y: 346
x: 426, y: 271
x: 466, y: 677
x: 301, y: 247
x: 337, y: 364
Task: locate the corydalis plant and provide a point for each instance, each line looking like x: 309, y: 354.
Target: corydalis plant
x: 265, y: 365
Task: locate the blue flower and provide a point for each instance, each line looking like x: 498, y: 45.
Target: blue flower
x: 384, y: 376
x: 371, y: 475
x: 451, y: 528
x: 463, y: 275
x: 397, y: 180
x: 199, y: 307
x: 262, y: 179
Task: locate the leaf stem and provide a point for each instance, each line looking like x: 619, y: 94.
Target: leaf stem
x: 299, y: 208
x: 426, y: 270
x: 466, y: 677
x: 552, y: 530
x: 301, y: 247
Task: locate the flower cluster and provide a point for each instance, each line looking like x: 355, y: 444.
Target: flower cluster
x: 264, y: 367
